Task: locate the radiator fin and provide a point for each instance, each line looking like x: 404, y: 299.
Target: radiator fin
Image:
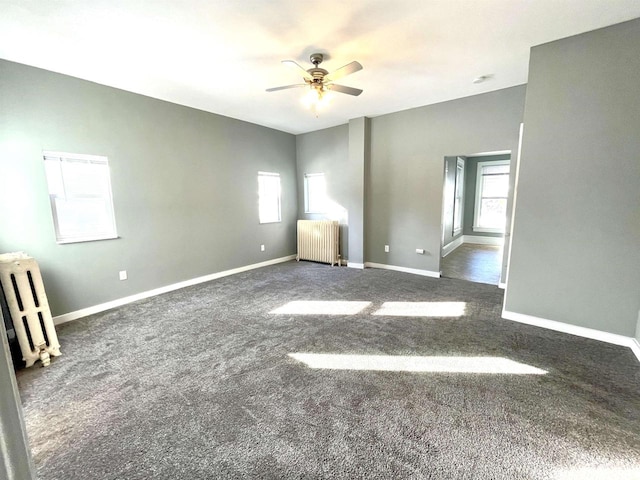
x: 318, y: 241
x: 33, y: 289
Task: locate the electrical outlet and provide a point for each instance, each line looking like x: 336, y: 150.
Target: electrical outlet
x: 262, y: 248
x: 386, y: 248
x: 123, y: 274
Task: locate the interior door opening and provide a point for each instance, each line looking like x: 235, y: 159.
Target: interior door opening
x: 477, y: 198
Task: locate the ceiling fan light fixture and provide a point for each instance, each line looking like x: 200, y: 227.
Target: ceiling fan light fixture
x: 317, y: 97
x: 320, y: 81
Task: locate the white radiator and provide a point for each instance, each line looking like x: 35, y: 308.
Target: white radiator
x: 24, y: 291
x: 318, y: 241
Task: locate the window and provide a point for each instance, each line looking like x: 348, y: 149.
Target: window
x: 80, y: 196
x: 492, y: 189
x: 269, y: 197
x: 458, y: 202
x: 315, y: 193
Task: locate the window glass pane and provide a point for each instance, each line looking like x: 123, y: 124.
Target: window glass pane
x: 493, y: 169
x: 84, y: 217
x: 491, y: 196
x: 81, y: 201
x: 493, y: 212
x: 269, y: 197
x: 315, y: 193
x: 81, y: 178
x: 495, y: 185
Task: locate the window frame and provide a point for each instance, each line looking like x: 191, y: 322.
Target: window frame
x: 458, y: 197
x: 479, y: 197
x: 110, y: 231
x: 308, y: 192
x: 261, y: 198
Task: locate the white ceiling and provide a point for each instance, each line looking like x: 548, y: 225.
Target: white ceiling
x: 221, y: 55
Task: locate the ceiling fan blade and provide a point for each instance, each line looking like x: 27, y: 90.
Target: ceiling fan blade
x: 294, y: 64
x: 343, y: 71
x: 342, y: 89
x: 275, y: 89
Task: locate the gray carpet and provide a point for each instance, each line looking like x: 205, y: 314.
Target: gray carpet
x: 199, y: 384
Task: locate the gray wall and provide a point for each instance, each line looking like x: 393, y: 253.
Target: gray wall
x: 404, y: 197
x: 184, y: 186
x: 359, y: 160
x: 576, y: 239
x: 327, y: 151
x: 471, y: 175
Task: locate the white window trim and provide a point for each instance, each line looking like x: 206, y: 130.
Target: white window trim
x: 112, y: 232
x: 277, y: 175
x: 458, y: 230
x: 488, y: 230
x: 306, y: 192
x: 476, y: 212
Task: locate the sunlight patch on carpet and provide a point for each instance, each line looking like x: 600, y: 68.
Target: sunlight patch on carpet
x: 400, y: 363
x: 599, y: 473
x: 422, y: 309
x: 310, y: 307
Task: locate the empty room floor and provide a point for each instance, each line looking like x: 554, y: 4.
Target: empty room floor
x: 301, y: 370
x: 475, y: 263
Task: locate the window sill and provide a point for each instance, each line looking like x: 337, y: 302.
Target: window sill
x: 488, y: 230
x: 85, y: 239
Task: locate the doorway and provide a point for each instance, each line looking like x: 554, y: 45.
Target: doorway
x: 474, y: 262
x: 476, y: 203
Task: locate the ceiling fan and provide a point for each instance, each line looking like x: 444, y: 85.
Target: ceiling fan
x: 321, y: 80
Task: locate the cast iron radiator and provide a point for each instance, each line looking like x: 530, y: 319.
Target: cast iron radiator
x: 25, y: 296
x: 318, y: 241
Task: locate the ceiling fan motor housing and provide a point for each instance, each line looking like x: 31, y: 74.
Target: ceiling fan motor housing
x: 316, y: 58
x: 317, y: 73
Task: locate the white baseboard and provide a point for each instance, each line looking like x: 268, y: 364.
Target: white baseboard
x: 635, y: 348
x: 476, y: 239
x: 450, y: 247
x: 480, y: 240
x: 355, y: 265
x: 607, y: 337
x: 502, y: 285
x: 415, y: 271
x: 67, y: 317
